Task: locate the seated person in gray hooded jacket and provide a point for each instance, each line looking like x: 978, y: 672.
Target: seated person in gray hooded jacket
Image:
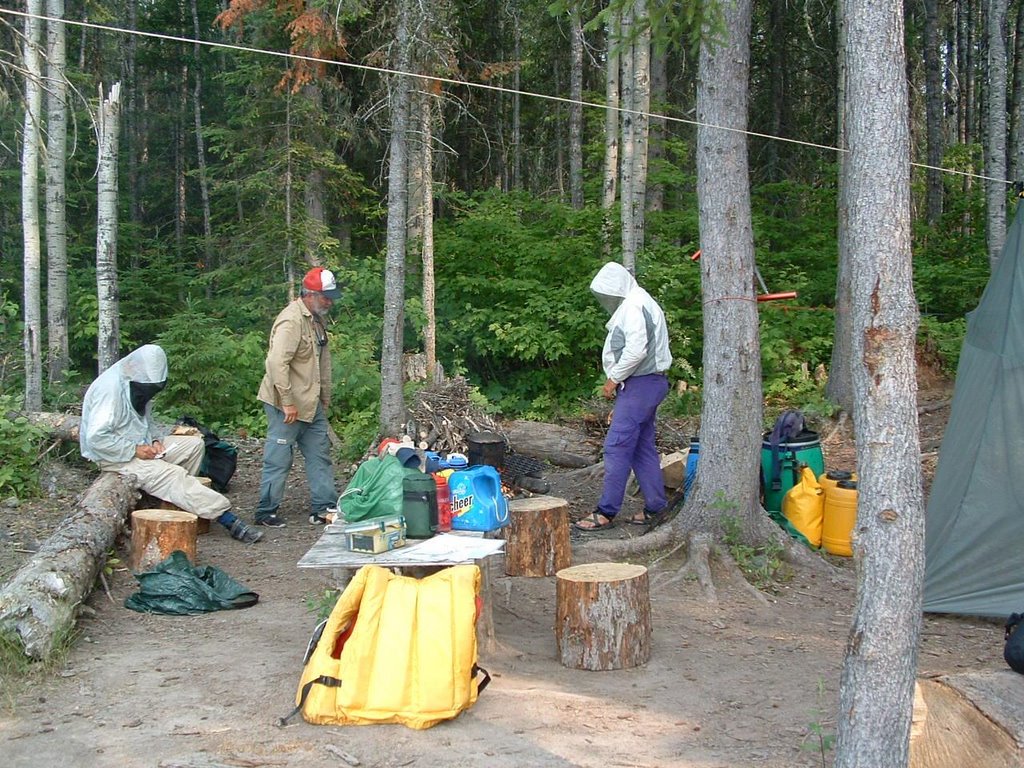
x: 119, y: 434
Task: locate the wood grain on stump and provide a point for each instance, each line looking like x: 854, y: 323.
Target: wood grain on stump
x: 603, y: 616
x: 158, y: 532
x: 537, y: 536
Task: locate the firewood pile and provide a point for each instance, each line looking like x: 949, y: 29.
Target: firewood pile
x: 441, y: 416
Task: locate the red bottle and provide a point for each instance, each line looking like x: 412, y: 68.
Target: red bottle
x: 444, y: 503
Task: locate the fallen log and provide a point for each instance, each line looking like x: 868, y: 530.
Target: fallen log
x: 39, y: 605
x: 60, y: 426
x: 559, y: 445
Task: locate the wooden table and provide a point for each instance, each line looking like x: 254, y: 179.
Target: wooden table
x: 330, y: 551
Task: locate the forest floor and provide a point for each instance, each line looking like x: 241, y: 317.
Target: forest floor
x: 733, y: 684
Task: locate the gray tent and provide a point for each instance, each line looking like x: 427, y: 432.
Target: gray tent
x: 974, y: 544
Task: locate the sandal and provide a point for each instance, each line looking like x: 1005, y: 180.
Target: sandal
x: 651, y: 519
x: 595, y: 524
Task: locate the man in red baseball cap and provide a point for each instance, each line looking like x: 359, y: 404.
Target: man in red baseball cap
x: 296, y: 393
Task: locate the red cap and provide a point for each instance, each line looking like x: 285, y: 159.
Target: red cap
x: 322, y: 281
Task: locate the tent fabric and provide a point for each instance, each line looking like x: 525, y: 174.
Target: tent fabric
x: 974, y: 530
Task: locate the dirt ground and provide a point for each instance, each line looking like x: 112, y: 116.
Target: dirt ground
x: 728, y: 685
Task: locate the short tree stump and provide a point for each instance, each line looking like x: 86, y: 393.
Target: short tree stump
x: 603, y: 616
x: 537, y: 536
x: 158, y: 532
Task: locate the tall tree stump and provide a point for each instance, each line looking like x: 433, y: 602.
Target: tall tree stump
x: 537, y: 536
x: 158, y: 532
x: 603, y: 616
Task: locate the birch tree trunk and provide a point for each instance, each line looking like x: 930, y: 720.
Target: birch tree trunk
x: 995, y: 138
x: 108, y: 337
x: 627, y: 146
x: 730, y: 432
x: 427, y: 234
x: 611, y: 132
x: 30, y: 204
x: 576, y: 107
x: 392, y: 404
x: 56, y: 196
x: 877, y: 682
x: 1016, y: 111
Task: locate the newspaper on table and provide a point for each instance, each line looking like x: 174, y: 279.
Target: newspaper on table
x: 445, y: 546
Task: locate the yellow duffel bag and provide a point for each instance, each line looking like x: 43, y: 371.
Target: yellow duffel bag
x: 804, y: 507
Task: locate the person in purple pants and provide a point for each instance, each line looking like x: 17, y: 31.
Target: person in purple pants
x: 635, y: 360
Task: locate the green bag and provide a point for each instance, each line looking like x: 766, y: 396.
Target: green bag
x: 177, y: 587
x: 375, y: 490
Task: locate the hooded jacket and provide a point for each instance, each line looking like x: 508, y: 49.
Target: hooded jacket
x: 111, y: 428
x: 637, y: 340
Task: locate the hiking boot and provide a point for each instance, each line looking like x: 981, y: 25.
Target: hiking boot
x: 271, y: 521
x: 315, y: 519
x: 244, y: 533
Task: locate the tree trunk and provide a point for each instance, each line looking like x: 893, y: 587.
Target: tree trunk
x: 1016, y: 110
x: 995, y: 136
x: 730, y: 433
x: 427, y: 218
x: 56, y: 196
x: 656, y: 133
x: 576, y: 107
x: 30, y: 204
x: 611, y: 132
x: 877, y: 682
x: 132, y: 113
x: 392, y: 405
x: 197, y: 115
x: 517, y: 128
x: 627, y: 83
x: 39, y: 604
x: 839, y: 388
x: 108, y: 337
x: 559, y: 445
x: 315, y: 191
x: 934, y: 101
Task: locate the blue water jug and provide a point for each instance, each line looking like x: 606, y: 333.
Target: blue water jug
x: 691, y: 465
x: 476, y: 498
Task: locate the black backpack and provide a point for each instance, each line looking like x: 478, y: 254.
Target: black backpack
x: 1013, y: 651
x: 221, y: 457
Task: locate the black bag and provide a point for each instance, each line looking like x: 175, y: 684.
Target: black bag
x: 1013, y: 651
x: 221, y: 457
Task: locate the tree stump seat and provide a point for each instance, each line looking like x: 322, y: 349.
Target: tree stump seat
x: 158, y: 532
x: 537, y: 536
x: 603, y: 616
x: 152, y: 502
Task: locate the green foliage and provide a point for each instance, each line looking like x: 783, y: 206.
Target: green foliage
x: 819, y: 739
x: 19, y: 450
x: 214, y: 373
x: 322, y: 603
x: 942, y: 342
x: 761, y: 563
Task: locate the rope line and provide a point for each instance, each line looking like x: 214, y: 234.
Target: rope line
x: 463, y: 83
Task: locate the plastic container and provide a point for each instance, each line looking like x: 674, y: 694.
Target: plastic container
x: 840, y: 515
x: 444, y: 503
x: 477, y: 501
x: 804, y: 450
x: 691, y: 465
x: 829, y: 479
x: 419, y: 505
x: 486, y: 448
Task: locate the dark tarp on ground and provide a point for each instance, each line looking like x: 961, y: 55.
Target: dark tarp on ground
x: 177, y: 587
